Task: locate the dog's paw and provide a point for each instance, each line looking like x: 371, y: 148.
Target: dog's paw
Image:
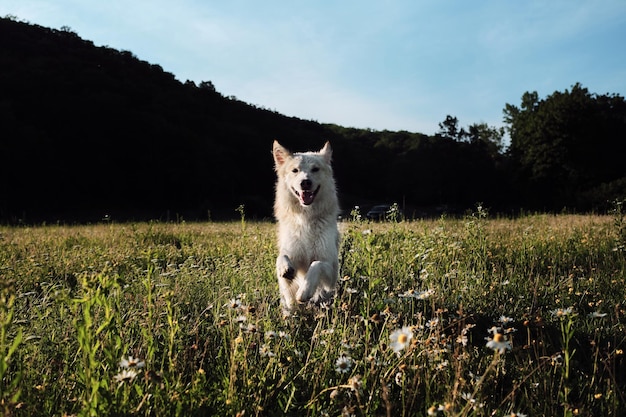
x: 286, y: 269
x: 289, y: 273
x: 304, y: 295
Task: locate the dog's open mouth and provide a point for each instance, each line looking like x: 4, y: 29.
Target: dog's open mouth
x: 306, y: 197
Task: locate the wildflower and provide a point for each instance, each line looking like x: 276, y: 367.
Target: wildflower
x: 241, y: 318
x: 556, y: 360
x: 343, y: 364
x: 400, y: 339
x: 597, y: 315
x: 284, y: 335
x: 505, y: 320
x: 127, y: 375
x: 499, y: 343
x: 407, y: 294
x: 235, y: 303
x: 423, y: 295
x: 432, y: 323
x: 510, y: 330
x: 468, y: 397
x: 250, y: 328
x: 270, y: 334
x: 494, y: 329
x: 265, y: 351
x: 562, y: 312
x: 432, y: 411
x: 131, y: 362
x: 399, y: 378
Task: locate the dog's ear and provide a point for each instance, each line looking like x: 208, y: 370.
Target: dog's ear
x: 327, y: 152
x: 280, y: 154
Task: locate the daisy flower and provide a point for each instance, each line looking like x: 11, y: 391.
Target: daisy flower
x: 499, y: 343
x: 131, y: 362
x: 432, y: 323
x: 562, y: 312
x: 265, y: 351
x: 494, y: 329
x: 235, y: 303
x: 127, y: 375
x: 343, y: 364
x: 400, y: 339
x: 425, y: 294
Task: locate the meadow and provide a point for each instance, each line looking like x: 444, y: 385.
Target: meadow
x: 475, y: 316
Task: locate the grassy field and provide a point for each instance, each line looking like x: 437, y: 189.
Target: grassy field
x: 450, y: 317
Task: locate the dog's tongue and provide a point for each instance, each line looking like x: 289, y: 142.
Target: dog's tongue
x: 307, y: 197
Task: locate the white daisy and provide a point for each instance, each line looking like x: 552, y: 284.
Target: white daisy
x: 127, y: 375
x: 499, y: 343
x: 400, y: 339
x: 131, y: 362
x: 343, y: 364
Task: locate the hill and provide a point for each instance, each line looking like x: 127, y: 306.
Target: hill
x: 92, y: 130
x: 89, y: 131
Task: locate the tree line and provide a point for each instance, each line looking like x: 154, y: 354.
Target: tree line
x: 90, y: 131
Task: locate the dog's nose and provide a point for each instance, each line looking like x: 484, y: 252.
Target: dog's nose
x: 306, y: 185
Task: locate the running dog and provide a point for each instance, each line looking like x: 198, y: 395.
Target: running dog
x: 306, y: 208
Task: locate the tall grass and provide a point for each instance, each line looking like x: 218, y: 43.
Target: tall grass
x: 452, y: 317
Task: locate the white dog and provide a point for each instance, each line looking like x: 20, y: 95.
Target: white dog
x: 306, y: 208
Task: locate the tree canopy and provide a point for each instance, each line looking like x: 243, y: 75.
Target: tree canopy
x: 568, y: 149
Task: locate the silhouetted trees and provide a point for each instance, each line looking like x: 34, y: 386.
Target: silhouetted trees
x: 87, y: 131
x: 569, y: 149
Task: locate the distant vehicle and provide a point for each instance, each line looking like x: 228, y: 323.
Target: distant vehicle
x: 381, y: 212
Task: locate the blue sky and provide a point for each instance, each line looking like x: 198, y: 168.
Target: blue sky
x: 397, y: 65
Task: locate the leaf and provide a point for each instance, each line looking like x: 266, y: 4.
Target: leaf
x: 14, y: 345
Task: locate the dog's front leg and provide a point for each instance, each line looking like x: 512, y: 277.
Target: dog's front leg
x: 286, y: 273
x: 284, y: 268
x: 319, y: 273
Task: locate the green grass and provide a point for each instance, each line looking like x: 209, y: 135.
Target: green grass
x: 198, y: 305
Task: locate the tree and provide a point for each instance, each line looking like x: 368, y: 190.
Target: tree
x: 449, y: 128
x: 489, y: 137
x: 565, y: 146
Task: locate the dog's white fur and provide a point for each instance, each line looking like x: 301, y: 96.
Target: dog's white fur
x: 306, y: 208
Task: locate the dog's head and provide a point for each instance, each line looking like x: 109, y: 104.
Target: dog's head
x: 305, y: 174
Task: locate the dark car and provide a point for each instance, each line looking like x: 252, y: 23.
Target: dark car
x: 382, y: 212
x: 378, y: 213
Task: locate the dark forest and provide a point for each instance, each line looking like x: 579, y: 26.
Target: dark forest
x: 91, y: 132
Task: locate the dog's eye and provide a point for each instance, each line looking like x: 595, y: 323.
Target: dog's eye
x: 315, y: 169
x: 295, y: 170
